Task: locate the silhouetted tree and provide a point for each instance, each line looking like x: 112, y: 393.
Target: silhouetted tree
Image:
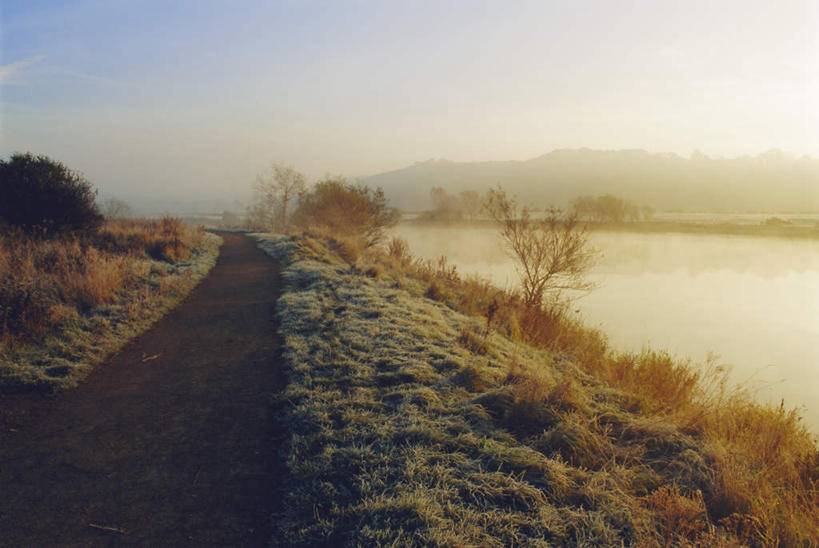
x: 609, y: 209
x: 230, y: 219
x: 446, y: 207
x: 454, y: 207
x: 470, y: 204
x: 42, y: 196
x: 114, y: 208
x: 586, y: 208
x: 276, y: 189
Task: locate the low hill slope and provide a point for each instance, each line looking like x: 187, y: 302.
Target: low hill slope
x: 410, y: 425
x: 766, y: 182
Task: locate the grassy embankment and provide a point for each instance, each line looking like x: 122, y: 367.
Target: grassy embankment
x: 419, y: 418
x: 67, y: 303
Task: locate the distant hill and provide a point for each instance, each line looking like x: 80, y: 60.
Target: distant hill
x: 771, y: 181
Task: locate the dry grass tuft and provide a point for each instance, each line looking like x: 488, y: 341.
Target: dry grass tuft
x: 349, y: 249
x: 168, y: 239
x: 49, y: 287
x: 678, y: 520
x: 398, y: 251
x: 474, y: 377
x: 477, y: 344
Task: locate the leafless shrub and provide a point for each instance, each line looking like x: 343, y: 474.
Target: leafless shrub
x: 275, y: 191
x: 552, y: 254
x: 114, y: 208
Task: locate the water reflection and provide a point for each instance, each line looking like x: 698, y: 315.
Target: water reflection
x: 752, y: 301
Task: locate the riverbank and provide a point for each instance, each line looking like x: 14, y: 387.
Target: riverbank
x: 414, y: 417
x: 748, y: 301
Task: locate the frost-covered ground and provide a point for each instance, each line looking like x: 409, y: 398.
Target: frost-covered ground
x: 408, y: 426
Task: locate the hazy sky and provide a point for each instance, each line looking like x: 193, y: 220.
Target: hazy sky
x: 169, y: 96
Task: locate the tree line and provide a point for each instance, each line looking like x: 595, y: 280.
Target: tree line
x: 44, y: 197
x: 282, y: 202
x: 469, y: 205
x: 610, y: 209
x: 551, y: 252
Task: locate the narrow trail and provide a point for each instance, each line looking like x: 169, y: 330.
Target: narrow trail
x: 172, y: 442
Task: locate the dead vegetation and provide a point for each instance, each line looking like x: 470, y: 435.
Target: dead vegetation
x: 427, y: 409
x: 552, y: 254
x: 64, y: 300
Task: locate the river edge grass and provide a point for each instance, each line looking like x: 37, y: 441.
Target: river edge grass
x: 66, y: 353
x: 414, y: 424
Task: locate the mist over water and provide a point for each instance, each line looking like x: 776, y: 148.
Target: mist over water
x: 753, y: 301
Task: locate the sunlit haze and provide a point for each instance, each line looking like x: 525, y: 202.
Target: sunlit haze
x: 170, y: 98
x: 409, y: 272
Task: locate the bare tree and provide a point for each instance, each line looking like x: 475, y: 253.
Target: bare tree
x: 610, y: 209
x: 114, y: 208
x: 446, y: 206
x: 470, y: 203
x: 586, y: 208
x: 276, y: 190
x: 258, y: 216
x: 552, y: 254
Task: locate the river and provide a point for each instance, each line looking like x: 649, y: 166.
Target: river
x: 752, y: 301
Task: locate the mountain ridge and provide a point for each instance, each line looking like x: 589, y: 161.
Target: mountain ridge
x: 770, y: 181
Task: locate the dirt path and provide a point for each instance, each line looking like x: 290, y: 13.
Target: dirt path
x: 172, y: 441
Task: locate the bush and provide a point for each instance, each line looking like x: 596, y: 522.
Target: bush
x: 167, y: 239
x: 42, y: 196
x: 346, y: 209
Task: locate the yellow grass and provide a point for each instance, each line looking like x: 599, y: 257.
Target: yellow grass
x: 766, y: 481
x: 45, y: 281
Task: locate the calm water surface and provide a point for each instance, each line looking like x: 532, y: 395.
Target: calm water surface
x: 754, y: 302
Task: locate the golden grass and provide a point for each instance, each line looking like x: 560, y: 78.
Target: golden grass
x: 765, y: 485
x: 678, y: 520
x: 474, y: 342
x: 167, y: 239
x: 66, y: 304
x: 43, y: 282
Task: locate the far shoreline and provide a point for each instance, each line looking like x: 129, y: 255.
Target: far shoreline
x: 776, y: 230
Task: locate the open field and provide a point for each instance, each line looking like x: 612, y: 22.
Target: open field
x: 67, y: 303
x: 416, y: 418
